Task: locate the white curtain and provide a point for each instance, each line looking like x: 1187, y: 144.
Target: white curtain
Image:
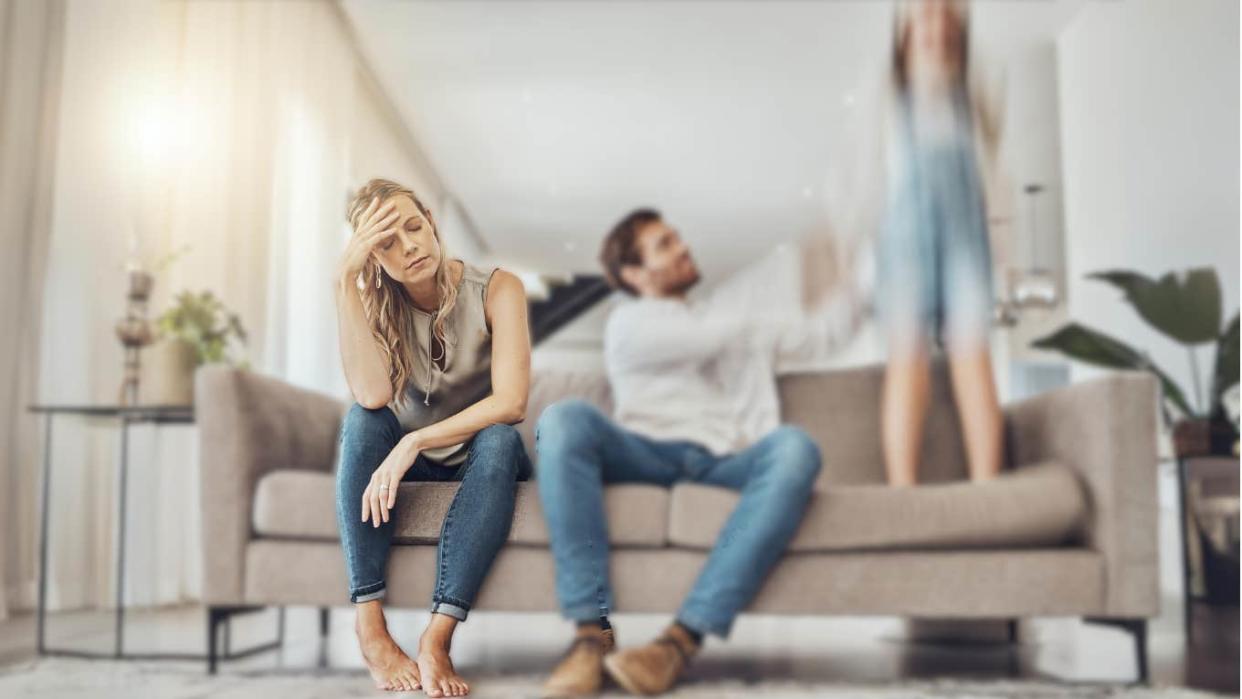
x: 237, y: 129
x: 30, y: 53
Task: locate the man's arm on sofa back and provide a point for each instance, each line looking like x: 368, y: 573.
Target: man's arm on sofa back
x: 1106, y: 430
x: 249, y: 424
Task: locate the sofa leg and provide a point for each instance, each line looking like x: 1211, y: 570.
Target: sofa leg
x: 214, y: 617
x: 324, y: 617
x: 218, y: 616
x: 1138, y: 629
x: 1140, y: 650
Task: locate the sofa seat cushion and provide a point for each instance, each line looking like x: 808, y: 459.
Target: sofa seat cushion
x: 300, y: 504
x: 1038, y: 505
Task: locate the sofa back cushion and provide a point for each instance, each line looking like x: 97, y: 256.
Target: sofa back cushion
x: 840, y: 409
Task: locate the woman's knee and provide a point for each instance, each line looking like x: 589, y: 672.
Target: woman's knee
x: 367, y: 423
x: 500, y: 444
x: 497, y: 451
x: 365, y: 438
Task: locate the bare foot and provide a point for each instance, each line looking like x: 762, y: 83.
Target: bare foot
x: 439, y: 677
x: 389, y: 666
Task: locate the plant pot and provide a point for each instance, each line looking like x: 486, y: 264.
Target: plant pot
x: 168, y: 367
x: 1203, y: 437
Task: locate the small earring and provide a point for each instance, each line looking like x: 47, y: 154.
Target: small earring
x: 379, y: 276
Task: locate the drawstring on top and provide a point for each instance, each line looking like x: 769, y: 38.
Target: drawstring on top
x: 430, y: 359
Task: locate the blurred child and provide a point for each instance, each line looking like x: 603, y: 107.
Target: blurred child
x: 925, y: 183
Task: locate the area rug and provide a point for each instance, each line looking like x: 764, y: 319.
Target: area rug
x: 63, y: 677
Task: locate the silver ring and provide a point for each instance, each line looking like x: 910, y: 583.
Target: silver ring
x: 384, y: 487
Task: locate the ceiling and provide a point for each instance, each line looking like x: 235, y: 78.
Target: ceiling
x: 550, y: 120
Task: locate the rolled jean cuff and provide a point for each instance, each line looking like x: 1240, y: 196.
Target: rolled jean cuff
x: 450, y: 608
x: 583, y: 613
x: 719, y: 630
x: 366, y: 593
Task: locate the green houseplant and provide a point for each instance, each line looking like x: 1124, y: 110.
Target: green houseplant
x: 203, y: 321
x: 1186, y: 308
x: 197, y: 329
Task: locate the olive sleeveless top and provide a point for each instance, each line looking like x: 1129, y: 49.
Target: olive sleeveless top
x: 447, y: 380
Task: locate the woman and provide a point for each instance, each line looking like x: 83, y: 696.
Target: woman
x: 437, y: 355
x: 934, y: 254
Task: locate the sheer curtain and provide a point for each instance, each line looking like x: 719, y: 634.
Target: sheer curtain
x: 233, y: 131
x: 30, y: 53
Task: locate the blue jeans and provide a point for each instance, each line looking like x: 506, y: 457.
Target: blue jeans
x: 475, y: 527
x: 581, y: 449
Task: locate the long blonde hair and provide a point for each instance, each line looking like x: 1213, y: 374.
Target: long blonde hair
x: 383, y: 302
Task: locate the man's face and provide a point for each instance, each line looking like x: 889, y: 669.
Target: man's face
x: 667, y: 268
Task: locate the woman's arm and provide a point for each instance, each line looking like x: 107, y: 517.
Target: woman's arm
x: 506, y: 313
x: 366, y: 369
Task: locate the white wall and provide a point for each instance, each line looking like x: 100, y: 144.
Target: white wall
x: 1031, y: 152
x: 1149, y: 117
x: 277, y: 122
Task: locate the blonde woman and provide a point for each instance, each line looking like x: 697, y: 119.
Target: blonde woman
x: 422, y: 336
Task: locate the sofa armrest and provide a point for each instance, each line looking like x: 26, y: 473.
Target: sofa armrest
x: 1105, y: 429
x: 249, y: 424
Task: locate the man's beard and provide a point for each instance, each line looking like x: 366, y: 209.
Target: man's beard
x: 684, y: 284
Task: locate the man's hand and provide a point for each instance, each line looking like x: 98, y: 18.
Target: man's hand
x: 821, y: 269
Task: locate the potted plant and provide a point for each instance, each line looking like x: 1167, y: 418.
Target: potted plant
x: 197, y: 329
x: 1186, y: 308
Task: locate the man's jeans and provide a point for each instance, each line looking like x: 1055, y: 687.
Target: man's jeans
x: 580, y: 449
x: 475, y: 527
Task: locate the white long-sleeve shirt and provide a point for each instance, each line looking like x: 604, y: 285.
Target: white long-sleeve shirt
x: 705, y: 370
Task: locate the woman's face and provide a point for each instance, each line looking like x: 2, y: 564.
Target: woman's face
x: 935, y: 41
x: 412, y: 254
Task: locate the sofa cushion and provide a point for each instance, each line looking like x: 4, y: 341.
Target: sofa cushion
x: 299, y: 504
x: 1037, y: 505
x: 1065, y: 581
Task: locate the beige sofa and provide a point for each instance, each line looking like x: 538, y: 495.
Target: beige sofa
x: 1069, y: 529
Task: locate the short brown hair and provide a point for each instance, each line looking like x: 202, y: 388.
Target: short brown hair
x: 621, y: 247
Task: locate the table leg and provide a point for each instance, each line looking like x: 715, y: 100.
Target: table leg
x: 122, y: 469
x: 1183, y: 511
x: 41, y: 611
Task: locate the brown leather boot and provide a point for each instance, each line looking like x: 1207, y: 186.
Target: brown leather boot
x: 581, y: 669
x: 655, y: 667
